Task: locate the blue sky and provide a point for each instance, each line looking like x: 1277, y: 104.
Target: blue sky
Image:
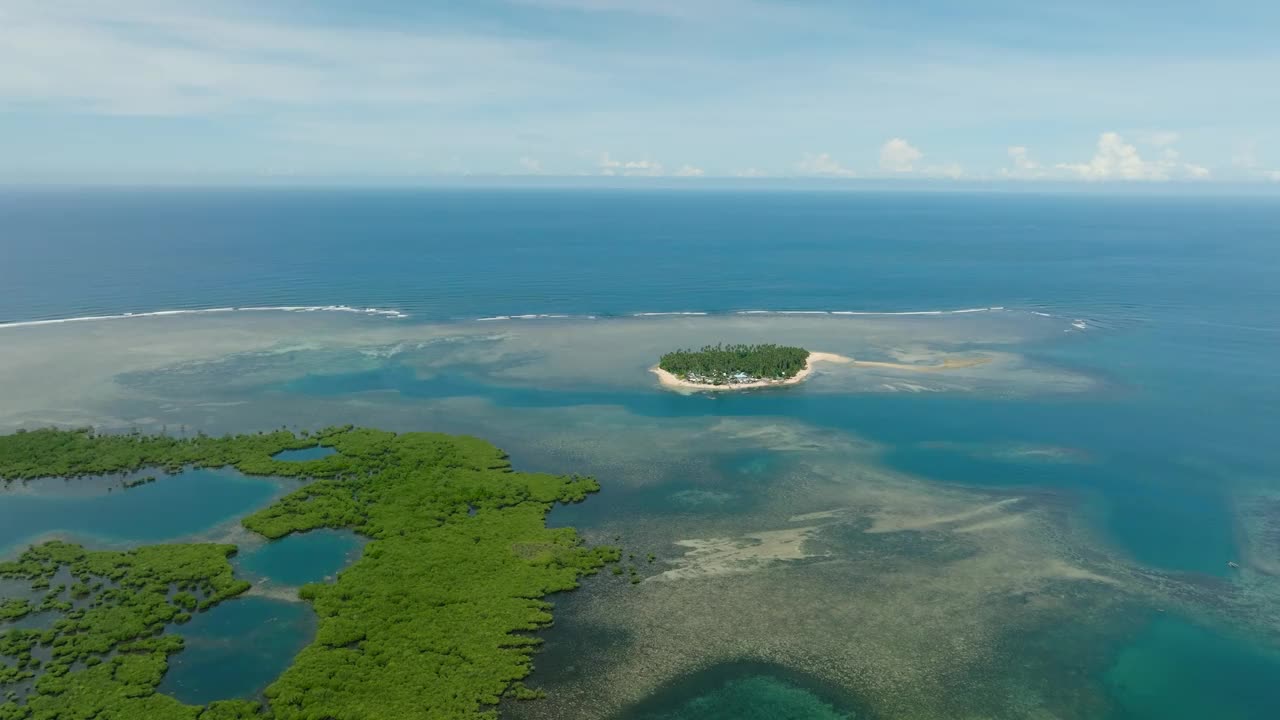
x: 403, y: 90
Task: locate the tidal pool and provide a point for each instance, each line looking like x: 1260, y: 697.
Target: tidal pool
x: 312, y: 453
x: 300, y: 559
x: 238, y: 648
x: 101, y: 510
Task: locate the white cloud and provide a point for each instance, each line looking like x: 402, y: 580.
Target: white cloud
x: 628, y: 168
x: 1023, y: 165
x: 752, y: 173
x: 1272, y: 175
x: 690, y: 171
x: 898, y: 155
x: 822, y: 165
x: 531, y: 166
x: 1116, y: 159
x: 170, y: 57
x: 1022, y: 158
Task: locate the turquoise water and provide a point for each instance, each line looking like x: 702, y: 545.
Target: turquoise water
x: 313, y: 453
x: 169, y: 508
x: 237, y: 648
x: 300, y: 559
x: 743, y: 691
x: 1159, y: 509
x: 1178, y: 669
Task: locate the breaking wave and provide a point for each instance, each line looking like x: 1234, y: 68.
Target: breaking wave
x: 381, y: 312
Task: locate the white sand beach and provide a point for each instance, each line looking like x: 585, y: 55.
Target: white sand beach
x: 672, y: 382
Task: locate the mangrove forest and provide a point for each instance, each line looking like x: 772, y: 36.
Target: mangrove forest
x: 433, y: 621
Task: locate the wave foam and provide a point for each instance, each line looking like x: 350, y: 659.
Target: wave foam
x: 962, y: 311
x: 383, y: 312
x: 531, y: 316
x: 398, y: 314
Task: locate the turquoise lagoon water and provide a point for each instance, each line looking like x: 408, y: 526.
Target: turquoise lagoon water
x: 172, y: 507
x: 300, y: 559
x: 237, y: 648
x: 312, y: 453
x: 1175, y: 299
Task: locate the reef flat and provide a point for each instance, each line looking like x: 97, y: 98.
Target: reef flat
x: 433, y: 621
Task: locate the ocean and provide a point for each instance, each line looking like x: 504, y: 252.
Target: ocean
x: 1043, y: 535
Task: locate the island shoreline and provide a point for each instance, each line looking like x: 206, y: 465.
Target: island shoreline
x: 672, y: 382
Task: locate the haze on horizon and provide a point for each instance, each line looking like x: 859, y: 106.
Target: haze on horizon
x: 174, y: 91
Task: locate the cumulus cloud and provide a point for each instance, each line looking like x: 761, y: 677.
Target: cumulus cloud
x: 898, y: 155
x: 1023, y: 164
x: 1116, y: 159
x: 531, y: 166
x: 1022, y: 158
x: 752, y: 173
x: 629, y: 168
x: 1272, y: 175
x: 690, y: 171
x: 822, y: 165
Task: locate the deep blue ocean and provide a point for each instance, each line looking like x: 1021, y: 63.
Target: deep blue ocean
x: 438, y: 255
x: 1179, y: 299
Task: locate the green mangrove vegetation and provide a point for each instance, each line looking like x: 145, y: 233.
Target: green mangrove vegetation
x: 731, y: 364
x: 106, y: 651
x: 434, y: 621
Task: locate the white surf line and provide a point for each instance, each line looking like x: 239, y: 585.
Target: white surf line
x: 534, y: 316
x: 383, y: 312
x: 964, y: 311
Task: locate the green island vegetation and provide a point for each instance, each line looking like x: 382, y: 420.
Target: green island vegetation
x: 434, y: 621
x: 735, y: 364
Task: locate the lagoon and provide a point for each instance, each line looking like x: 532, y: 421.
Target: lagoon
x: 238, y: 648
x: 102, y: 512
x: 296, y: 560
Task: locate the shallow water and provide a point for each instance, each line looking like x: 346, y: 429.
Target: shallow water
x: 749, y: 691
x: 1177, y: 669
x: 312, y: 453
x: 295, y: 560
x: 102, y: 511
x: 237, y: 648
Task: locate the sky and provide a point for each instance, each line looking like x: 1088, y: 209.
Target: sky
x: 1017, y: 91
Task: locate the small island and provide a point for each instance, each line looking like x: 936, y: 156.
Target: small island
x: 738, y: 367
